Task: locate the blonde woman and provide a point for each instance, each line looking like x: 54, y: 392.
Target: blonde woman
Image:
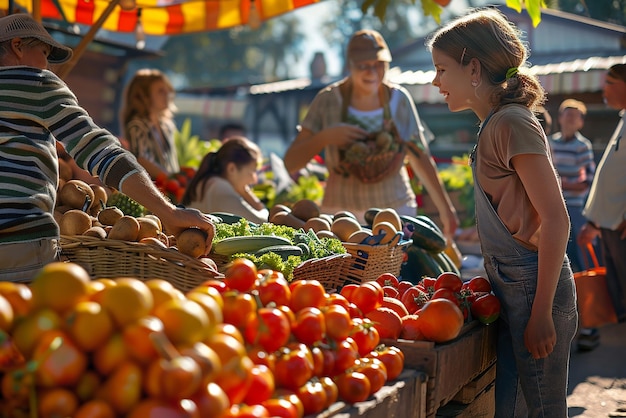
x: 147, y: 122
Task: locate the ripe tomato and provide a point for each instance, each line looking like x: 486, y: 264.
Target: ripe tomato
x: 330, y: 387
x: 216, y: 284
x: 428, y: 283
x: 240, y: 274
x: 237, y: 308
x: 268, y: 327
x: 414, y: 298
x: 486, y: 308
x: 313, y: 396
x: 368, y: 296
x: 338, y: 322
x: 346, y: 290
x: 273, y: 287
x: 391, y: 292
x: 338, y: 299
x: 262, y: 385
x: 392, y: 358
x: 410, y: 328
x: 388, y: 279
x: 478, y: 284
x: 310, y: 326
x: 280, y: 407
x: 365, y: 335
x: 445, y: 293
x: 307, y: 293
x: 403, y: 286
x: 345, y: 355
x: 375, y: 371
x: 440, y: 320
x: 448, y: 280
x: 353, y: 387
x: 293, y: 368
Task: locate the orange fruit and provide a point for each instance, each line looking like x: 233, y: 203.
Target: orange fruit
x: 56, y: 402
x: 128, y: 301
x: 89, y: 325
x: 386, y: 321
x: 211, y: 308
x: 211, y: 291
x: 19, y: 296
x: 61, y: 362
x: 228, y: 329
x: 59, y: 286
x: 96, y: 287
x: 440, y: 320
x: 208, y: 360
x: 123, y: 387
x: 27, y: 330
x: 184, y: 321
x: 137, y: 338
x: 6, y: 314
x: 162, y: 291
x: 110, y: 355
x: 95, y: 409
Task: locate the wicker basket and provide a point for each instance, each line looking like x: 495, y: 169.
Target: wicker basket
x: 106, y: 258
x: 370, y: 261
x: 375, y: 167
x: 327, y: 270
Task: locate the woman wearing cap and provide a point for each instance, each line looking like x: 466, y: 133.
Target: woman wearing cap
x: 36, y: 110
x: 523, y: 226
x: 346, y: 112
x: 605, y: 209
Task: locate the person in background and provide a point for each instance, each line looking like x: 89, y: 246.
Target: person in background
x: 229, y: 130
x: 36, y: 110
x: 523, y: 226
x: 147, y: 118
x: 605, y: 209
x: 347, y: 111
x: 572, y: 156
x: 222, y: 182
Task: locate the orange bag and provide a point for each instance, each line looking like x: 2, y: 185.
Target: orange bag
x: 595, y: 307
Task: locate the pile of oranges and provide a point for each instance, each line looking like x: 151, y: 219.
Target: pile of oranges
x: 251, y: 345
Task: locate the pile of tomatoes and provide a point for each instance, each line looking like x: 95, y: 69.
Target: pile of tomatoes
x: 434, y: 309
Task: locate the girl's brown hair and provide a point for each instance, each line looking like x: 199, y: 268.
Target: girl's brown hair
x: 236, y: 149
x: 487, y: 35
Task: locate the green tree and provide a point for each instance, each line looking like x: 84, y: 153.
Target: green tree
x: 612, y: 11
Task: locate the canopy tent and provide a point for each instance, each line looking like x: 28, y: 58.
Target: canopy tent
x: 153, y: 17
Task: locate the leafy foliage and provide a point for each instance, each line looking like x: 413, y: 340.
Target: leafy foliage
x: 190, y: 148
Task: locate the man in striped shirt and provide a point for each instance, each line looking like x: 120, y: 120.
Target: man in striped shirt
x: 572, y: 155
x: 36, y: 110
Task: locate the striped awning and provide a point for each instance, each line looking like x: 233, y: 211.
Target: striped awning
x: 164, y: 17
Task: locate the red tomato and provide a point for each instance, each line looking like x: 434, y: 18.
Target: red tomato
x: 479, y: 284
x: 310, y: 326
x: 375, y: 371
x: 217, y: 284
x: 280, y: 407
x: 332, y: 392
x: 353, y: 387
x: 392, y: 358
x: 273, y: 287
x: 307, y: 293
x: 338, y: 322
x: 262, y: 386
x: 365, y: 335
x: 388, y: 279
x: 240, y: 274
x: 237, y: 307
x: 445, y: 293
x: 247, y: 411
x: 269, y: 327
x: 346, y: 290
x: 391, y: 292
x: 318, y: 361
x: 293, y: 369
x: 345, y: 355
x: 338, y: 299
x: 313, y: 396
x: 414, y: 298
x: 448, y: 280
x: 403, y: 286
x: 486, y: 308
x: 428, y: 283
x: 368, y: 296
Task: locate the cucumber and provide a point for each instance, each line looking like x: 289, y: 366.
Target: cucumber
x: 247, y: 244
x: 282, y: 250
x: 425, y: 235
x: 419, y: 263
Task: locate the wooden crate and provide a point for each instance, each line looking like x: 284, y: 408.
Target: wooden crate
x: 450, y: 366
x: 402, y: 398
x: 482, y: 405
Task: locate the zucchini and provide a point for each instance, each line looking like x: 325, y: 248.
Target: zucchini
x: 419, y: 263
x: 247, y: 244
x: 425, y: 234
x: 430, y: 222
x: 227, y: 218
x: 282, y: 250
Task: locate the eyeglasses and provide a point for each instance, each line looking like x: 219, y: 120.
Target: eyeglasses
x: 378, y: 66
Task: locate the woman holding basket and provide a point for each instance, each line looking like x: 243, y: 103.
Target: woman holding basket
x: 345, y: 121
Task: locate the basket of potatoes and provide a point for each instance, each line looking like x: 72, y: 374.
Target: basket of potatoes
x: 109, y: 243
